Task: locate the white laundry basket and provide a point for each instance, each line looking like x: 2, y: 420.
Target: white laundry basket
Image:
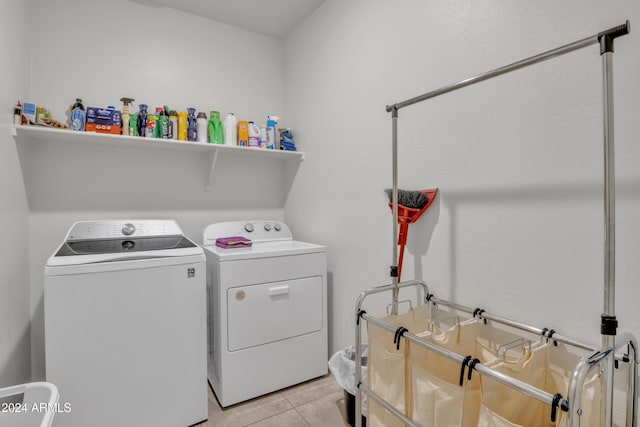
x: 38, y: 406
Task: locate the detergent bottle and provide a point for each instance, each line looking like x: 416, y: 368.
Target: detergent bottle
x: 254, y: 135
x: 230, y: 130
x: 215, y: 128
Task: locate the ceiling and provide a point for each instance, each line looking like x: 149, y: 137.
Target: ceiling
x: 273, y: 18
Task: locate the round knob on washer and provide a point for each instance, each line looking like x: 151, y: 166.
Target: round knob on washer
x: 128, y: 229
x: 248, y: 227
x: 277, y: 227
x: 267, y: 227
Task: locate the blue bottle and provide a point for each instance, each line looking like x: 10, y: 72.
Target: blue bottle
x: 78, y: 116
x: 192, y: 125
x: 141, y: 121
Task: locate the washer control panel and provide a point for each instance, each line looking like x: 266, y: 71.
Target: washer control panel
x: 114, y: 229
x: 256, y: 231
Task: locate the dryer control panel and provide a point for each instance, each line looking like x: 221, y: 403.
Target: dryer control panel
x: 256, y: 231
x: 117, y: 229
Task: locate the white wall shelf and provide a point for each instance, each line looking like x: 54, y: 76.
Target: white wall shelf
x: 41, y: 134
x: 59, y: 151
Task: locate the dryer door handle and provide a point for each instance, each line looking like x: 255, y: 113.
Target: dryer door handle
x: 278, y: 290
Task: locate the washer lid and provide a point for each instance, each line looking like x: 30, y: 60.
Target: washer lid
x: 264, y: 250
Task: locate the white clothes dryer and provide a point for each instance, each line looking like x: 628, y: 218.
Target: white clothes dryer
x: 266, y: 309
x: 125, y: 325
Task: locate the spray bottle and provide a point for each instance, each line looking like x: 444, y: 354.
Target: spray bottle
x: 272, y: 121
x: 125, y: 114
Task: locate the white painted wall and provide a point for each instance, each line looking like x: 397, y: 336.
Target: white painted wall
x: 101, y: 52
x: 518, y: 228
x: 15, y: 44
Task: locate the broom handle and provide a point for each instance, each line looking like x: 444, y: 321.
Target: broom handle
x: 402, y: 241
x: 400, y: 262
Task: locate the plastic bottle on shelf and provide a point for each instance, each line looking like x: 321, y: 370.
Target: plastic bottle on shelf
x: 216, y: 135
x: 192, y: 125
x: 141, y: 120
x: 133, y: 126
x: 272, y: 122
x: 183, y: 125
x: 173, y: 125
x: 152, y: 125
x: 17, y: 114
x: 201, y: 123
x: 163, y: 123
x: 230, y: 128
x: 125, y: 117
x: 262, y: 142
x: 78, y: 116
x: 254, y: 135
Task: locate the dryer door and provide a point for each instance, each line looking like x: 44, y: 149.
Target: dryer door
x: 269, y: 312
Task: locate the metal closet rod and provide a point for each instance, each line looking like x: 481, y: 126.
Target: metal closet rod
x: 607, y: 35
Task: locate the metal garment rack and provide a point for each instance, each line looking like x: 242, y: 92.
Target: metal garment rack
x: 607, y: 353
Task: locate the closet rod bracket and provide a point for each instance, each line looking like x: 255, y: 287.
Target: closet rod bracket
x: 608, y: 325
x: 606, y: 37
x: 393, y: 271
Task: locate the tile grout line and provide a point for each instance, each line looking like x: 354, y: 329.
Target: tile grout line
x: 295, y: 408
x: 276, y: 394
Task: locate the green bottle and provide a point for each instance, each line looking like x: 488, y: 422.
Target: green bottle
x: 215, y: 128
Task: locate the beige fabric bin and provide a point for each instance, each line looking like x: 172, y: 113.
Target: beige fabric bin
x: 387, y: 366
x: 437, y: 399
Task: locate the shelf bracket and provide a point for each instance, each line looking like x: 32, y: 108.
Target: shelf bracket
x: 213, y: 158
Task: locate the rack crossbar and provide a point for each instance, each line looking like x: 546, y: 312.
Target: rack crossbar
x: 523, y: 387
x: 587, y: 41
x: 380, y: 401
x: 513, y: 324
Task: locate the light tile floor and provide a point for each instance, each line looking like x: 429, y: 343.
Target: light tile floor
x: 315, y: 403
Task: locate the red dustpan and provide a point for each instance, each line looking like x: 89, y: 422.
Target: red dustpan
x: 408, y: 216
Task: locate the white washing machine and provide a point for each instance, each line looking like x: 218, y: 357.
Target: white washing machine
x: 266, y: 308
x: 125, y: 325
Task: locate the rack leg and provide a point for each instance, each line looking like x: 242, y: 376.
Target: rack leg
x: 394, y: 269
x: 608, y: 337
